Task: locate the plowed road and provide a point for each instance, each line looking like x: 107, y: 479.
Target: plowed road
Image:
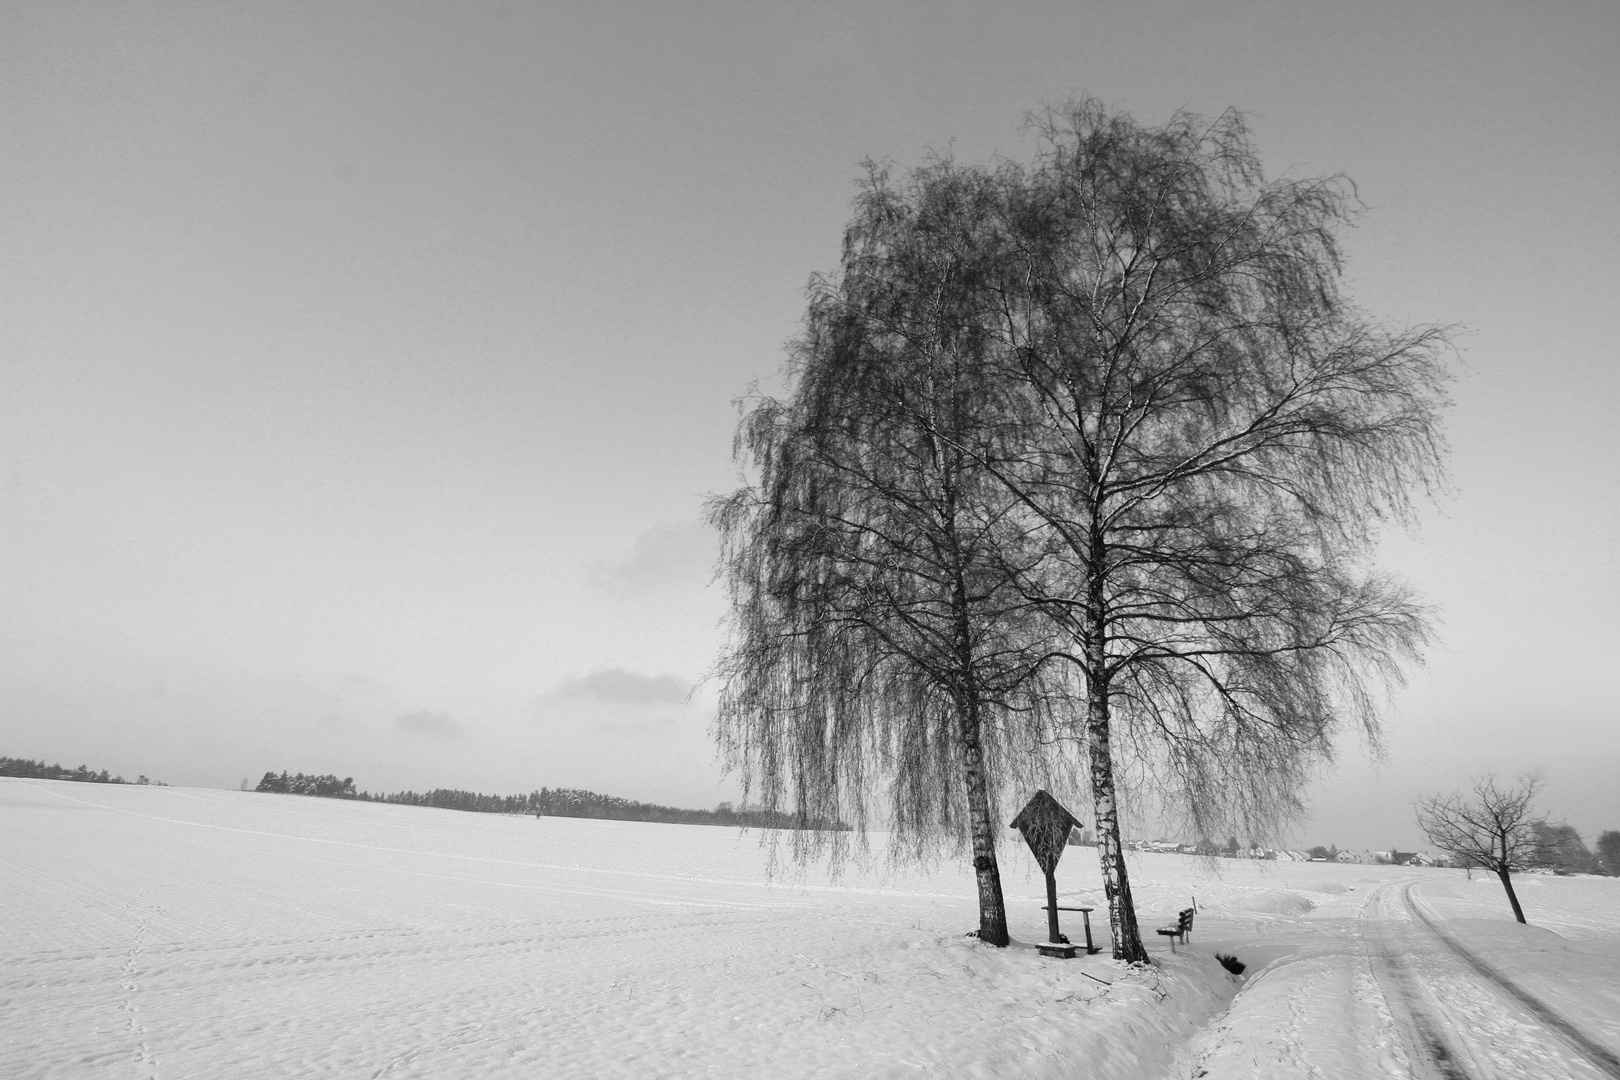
x: 1461, y: 1017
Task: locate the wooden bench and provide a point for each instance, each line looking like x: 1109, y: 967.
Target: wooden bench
x: 1181, y: 930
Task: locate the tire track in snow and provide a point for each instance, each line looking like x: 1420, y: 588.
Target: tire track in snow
x: 1405, y: 998
x: 1597, y: 1055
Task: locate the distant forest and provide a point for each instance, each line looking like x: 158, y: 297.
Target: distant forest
x: 546, y: 802
x: 38, y: 770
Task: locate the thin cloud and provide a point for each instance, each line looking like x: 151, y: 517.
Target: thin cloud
x: 660, y: 559
x: 435, y: 724
x: 621, y: 687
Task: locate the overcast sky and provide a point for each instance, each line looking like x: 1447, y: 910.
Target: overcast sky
x: 365, y: 366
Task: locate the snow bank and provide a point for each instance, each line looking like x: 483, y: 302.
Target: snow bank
x: 1568, y: 957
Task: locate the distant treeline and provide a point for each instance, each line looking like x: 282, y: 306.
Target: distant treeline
x: 452, y: 799
x: 1559, y: 848
x: 11, y: 766
x: 546, y: 802
x: 572, y: 802
x: 329, y: 787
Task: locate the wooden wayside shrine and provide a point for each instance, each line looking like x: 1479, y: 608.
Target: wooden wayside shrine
x: 1046, y: 825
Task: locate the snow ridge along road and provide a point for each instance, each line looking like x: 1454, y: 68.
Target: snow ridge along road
x: 1600, y: 1057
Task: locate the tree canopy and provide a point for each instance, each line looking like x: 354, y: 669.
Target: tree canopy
x: 1080, y: 467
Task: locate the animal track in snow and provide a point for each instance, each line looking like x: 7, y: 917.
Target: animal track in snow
x: 129, y: 982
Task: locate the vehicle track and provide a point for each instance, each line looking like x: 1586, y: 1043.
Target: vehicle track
x: 1598, y: 1056
x: 1430, y: 1053
x: 1463, y: 1019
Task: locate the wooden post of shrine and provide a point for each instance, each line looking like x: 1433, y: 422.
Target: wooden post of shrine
x: 1046, y: 826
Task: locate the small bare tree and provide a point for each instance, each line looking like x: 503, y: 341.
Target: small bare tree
x: 1492, y: 827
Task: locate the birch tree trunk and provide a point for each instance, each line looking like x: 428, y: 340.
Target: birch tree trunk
x: 981, y: 826
x: 1099, y: 742
x: 992, y: 907
x: 1110, y: 852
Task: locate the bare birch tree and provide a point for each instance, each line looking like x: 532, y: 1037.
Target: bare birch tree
x: 1211, y: 432
x: 1104, y: 424
x: 1491, y: 826
x: 877, y: 646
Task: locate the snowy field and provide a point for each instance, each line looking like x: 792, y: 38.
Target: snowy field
x: 170, y: 932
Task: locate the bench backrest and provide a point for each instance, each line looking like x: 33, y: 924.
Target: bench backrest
x: 1184, y: 920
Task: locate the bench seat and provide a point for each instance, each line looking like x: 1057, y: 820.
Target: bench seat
x: 1182, y: 930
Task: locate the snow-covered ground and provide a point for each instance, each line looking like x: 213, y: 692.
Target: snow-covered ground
x: 169, y: 932
x: 1400, y: 973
